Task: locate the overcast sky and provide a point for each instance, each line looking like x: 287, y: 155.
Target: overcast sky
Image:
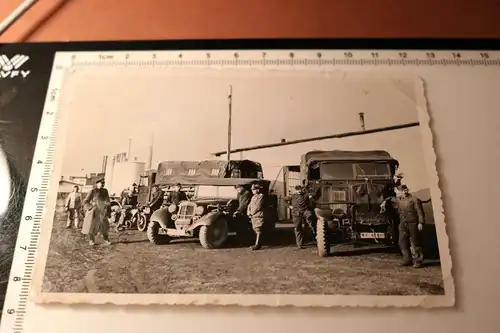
x: 187, y: 109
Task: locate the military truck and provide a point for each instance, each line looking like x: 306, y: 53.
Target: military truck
x: 348, y: 188
x: 192, y: 174
x: 208, y: 214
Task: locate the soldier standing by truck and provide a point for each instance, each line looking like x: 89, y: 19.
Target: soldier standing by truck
x: 411, y: 224
x: 177, y: 195
x: 156, y: 198
x: 301, y: 211
x: 244, y: 197
x: 256, y: 213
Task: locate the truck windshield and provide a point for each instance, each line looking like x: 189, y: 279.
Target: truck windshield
x: 225, y: 192
x: 354, y: 170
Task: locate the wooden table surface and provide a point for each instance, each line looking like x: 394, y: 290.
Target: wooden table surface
x: 76, y: 20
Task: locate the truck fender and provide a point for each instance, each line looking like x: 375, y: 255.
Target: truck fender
x: 162, y: 216
x: 206, y: 220
x: 326, y: 215
x: 323, y: 214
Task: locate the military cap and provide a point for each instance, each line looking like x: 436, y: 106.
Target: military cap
x: 256, y: 186
x: 101, y: 180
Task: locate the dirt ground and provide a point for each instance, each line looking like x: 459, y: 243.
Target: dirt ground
x: 133, y: 265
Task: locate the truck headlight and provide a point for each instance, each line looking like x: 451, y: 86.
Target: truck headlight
x: 172, y: 208
x: 199, y: 210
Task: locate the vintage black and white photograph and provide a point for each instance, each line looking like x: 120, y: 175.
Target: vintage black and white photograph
x: 240, y: 186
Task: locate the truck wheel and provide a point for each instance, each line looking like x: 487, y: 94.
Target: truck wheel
x: 322, y: 240
x: 154, y: 234
x: 213, y: 236
x: 142, y: 223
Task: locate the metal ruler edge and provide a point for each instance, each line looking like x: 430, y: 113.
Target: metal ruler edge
x: 306, y: 58
x: 27, y: 244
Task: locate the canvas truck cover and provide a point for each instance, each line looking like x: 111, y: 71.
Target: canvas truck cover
x: 197, y: 172
x: 343, y: 156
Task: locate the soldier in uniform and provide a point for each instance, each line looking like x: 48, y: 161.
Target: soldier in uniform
x: 128, y: 202
x: 301, y: 210
x: 97, y: 204
x: 177, y: 195
x: 244, y: 197
x: 74, y: 206
x: 255, y: 211
x: 412, y: 219
x: 156, y: 198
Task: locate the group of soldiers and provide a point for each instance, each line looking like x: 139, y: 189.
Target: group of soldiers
x: 95, y: 207
x: 404, y: 207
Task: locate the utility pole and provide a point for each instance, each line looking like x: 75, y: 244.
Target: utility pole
x: 230, y: 100
x: 151, y: 150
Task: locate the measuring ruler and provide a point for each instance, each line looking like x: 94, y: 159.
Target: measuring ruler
x: 16, y: 303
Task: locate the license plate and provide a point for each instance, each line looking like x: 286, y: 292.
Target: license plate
x: 372, y: 235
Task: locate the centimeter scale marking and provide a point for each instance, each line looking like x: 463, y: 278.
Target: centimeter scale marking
x: 16, y: 302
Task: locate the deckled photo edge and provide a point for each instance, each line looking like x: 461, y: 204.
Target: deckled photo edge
x: 247, y: 300
x: 428, y: 146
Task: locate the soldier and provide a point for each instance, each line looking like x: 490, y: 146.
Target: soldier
x: 73, y: 207
x: 128, y: 202
x: 411, y: 215
x: 96, y: 220
x: 177, y: 195
x: 156, y: 198
x: 244, y: 197
x: 255, y: 211
x: 301, y: 210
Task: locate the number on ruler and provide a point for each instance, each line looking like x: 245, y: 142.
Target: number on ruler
x: 348, y: 54
x: 374, y: 54
x: 23, y: 247
x: 456, y: 55
x: 28, y: 218
x: 127, y: 55
x: 10, y: 311
x: 39, y: 162
x: 16, y: 279
x: 34, y: 189
x: 431, y: 55
x: 44, y: 137
x: 49, y: 113
x: 153, y: 56
x: 485, y: 55
x: 403, y: 55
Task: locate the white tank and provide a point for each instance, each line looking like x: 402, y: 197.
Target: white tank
x: 124, y: 175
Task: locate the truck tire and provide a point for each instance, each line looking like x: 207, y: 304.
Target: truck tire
x: 214, y: 236
x: 322, y: 239
x: 154, y: 236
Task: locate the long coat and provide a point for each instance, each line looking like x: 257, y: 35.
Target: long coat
x: 96, y: 217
